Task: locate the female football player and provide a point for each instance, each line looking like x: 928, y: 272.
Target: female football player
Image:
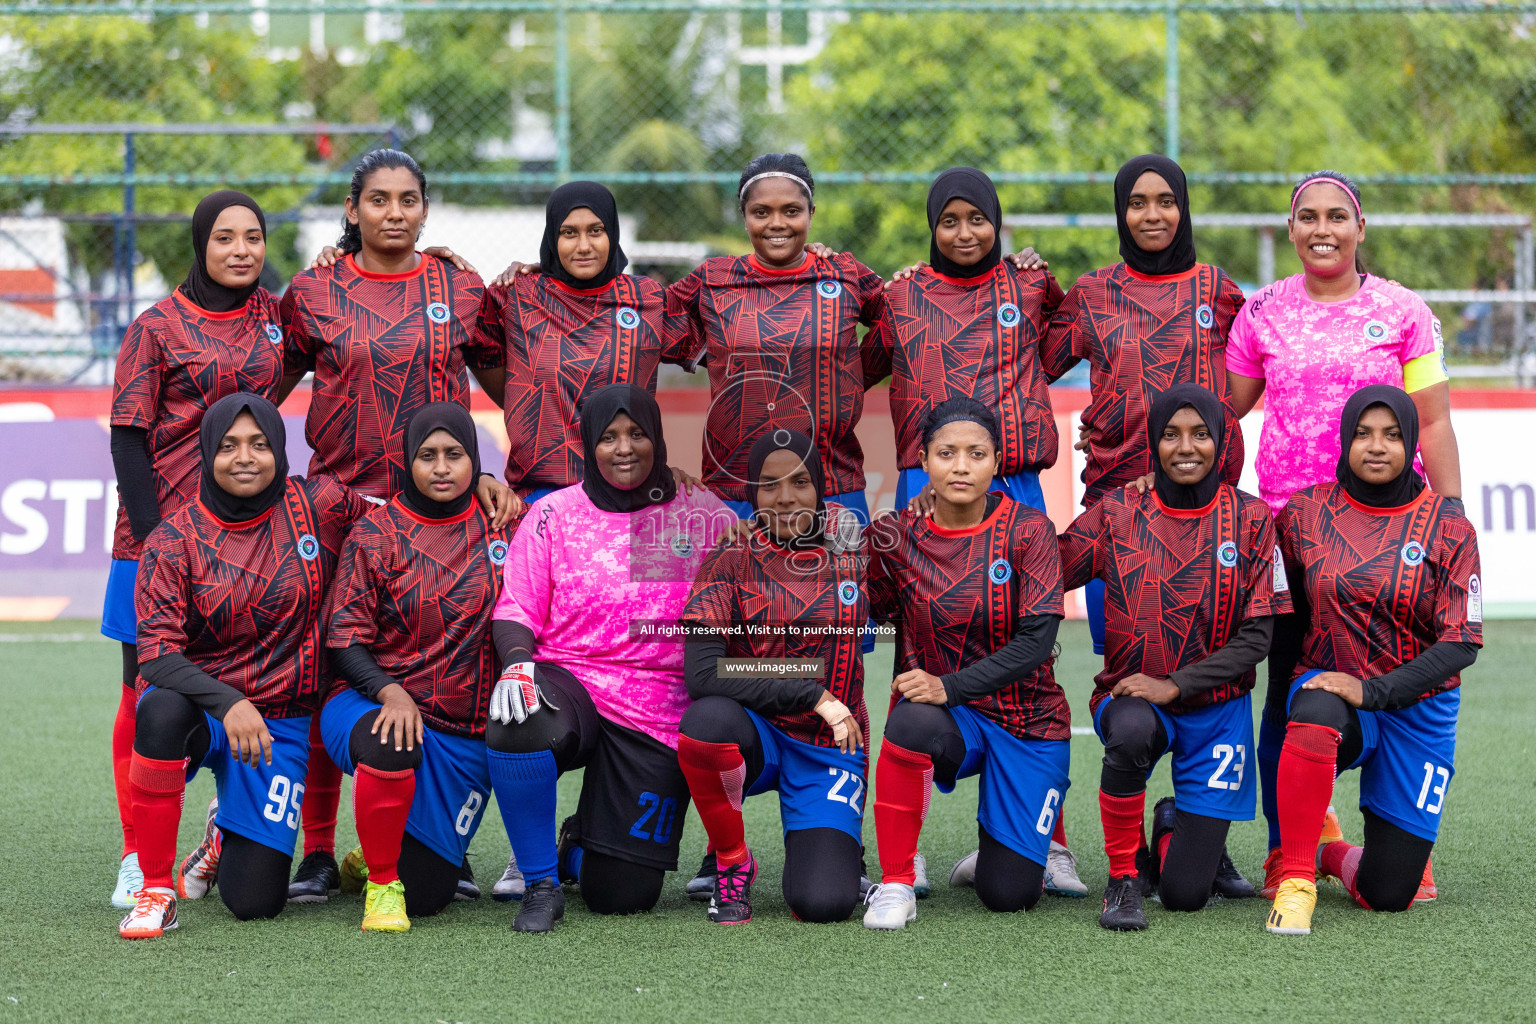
x: 595, y: 581
x: 791, y: 589
x: 1389, y: 612
x: 229, y: 599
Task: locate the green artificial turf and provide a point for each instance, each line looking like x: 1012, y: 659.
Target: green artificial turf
x: 1469, y: 956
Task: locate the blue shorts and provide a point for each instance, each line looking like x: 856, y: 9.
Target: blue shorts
x: 1093, y: 600
x: 1407, y: 758
x: 819, y: 787
x: 1023, y: 783
x: 540, y: 492
x: 453, y: 784
x: 265, y: 803
x: 118, y: 618
x: 853, y: 501
x: 1210, y: 757
x: 1021, y: 487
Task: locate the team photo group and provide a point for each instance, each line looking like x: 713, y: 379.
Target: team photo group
x: 447, y: 631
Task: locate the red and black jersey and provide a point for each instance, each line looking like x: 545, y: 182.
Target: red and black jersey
x: 958, y: 595
x: 560, y: 345
x: 418, y: 594
x: 775, y: 603
x: 944, y: 337
x: 1142, y: 335
x: 1382, y: 584
x: 242, y: 601
x: 782, y: 347
x: 381, y: 346
x: 1177, y: 582
x: 176, y: 361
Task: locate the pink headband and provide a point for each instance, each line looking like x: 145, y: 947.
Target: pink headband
x: 1332, y: 181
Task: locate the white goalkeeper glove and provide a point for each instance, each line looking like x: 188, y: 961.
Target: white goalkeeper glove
x: 516, y: 696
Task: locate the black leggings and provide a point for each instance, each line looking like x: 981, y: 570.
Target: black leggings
x: 429, y: 880
x: 821, y: 865
x: 1006, y: 880
x: 130, y: 665
x: 1392, y: 864
x: 1134, y: 738
x: 568, y: 727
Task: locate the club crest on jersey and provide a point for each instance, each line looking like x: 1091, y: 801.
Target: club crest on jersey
x: 1280, y: 582
x: 628, y: 318
x: 1375, y: 330
x: 437, y: 313
x: 309, y: 547
x: 497, y: 549
x: 848, y: 591
x: 682, y: 547
x: 1413, y: 553
x: 1000, y: 571
x: 1205, y: 317
x: 1007, y: 314
x: 274, y: 334
x: 1226, y: 554
x: 1474, y: 599
x: 829, y: 289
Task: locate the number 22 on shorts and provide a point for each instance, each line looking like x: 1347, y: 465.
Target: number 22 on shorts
x: 852, y: 799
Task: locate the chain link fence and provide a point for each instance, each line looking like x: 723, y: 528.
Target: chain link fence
x: 116, y: 117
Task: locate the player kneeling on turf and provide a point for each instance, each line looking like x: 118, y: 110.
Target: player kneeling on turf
x: 594, y: 584
x: 1389, y: 611
x: 409, y: 629
x: 1192, y: 583
x: 976, y: 594
x: 792, y: 589
x: 228, y: 597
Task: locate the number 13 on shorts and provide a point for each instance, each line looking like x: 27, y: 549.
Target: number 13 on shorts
x: 1432, y: 793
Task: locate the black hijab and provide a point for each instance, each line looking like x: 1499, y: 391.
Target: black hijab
x: 200, y: 287
x: 977, y: 189
x: 780, y: 439
x: 600, y: 409
x: 574, y: 196
x: 217, y: 421
x: 1407, y: 484
x: 1180, y: 255
x: 1214, y: 415
x: 452, y: 417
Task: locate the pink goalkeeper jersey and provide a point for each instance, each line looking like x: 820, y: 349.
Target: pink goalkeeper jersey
x: 1312, y: 356
x: 590, y: 584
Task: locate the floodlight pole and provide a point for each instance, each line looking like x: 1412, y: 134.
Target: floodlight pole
x: 1171, y: 82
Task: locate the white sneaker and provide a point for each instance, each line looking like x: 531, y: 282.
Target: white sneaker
x: 510, y: 886
x: 963, y: 874
x: 920, y: 876
x: 1061, y: 873
x: 129, y: 881
x: 891, y: 906
x: 153, y: 914
x: 200, y: 871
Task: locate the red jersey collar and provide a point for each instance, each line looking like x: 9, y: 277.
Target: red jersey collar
x: 562, y: 286
x: 368, y: 275
x: 970, y: 531
x: 1372, y: 510
x: 233, y: 314
x: 965, y: 282
x: 1163, y: 278
x: 248, y: 524
x: 1187, y: 513
x: 424, y: 521
x: 757, y: 265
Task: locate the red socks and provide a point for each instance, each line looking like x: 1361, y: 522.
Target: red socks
x: 381, y: 802
x: 1304, y: 786
x: 322, y: 795
x: 716, y: 775
x: 1123, y: 836
x: 122, y: 757
x: 158, y: 790
x: 1060, y: 835
x: 903, y: 786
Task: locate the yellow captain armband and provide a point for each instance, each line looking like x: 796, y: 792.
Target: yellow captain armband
x: 1428, y: 369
